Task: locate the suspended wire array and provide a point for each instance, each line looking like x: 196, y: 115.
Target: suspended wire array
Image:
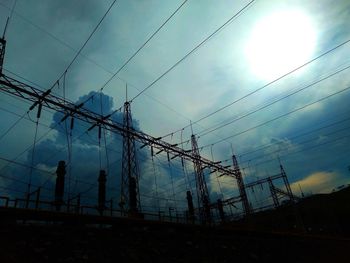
x: 212, y: 129
x: 280, y: 116
x: 195, y: 48
x: 261, y: 87
x: 202, y: 133
x: 265, y: 86
x: 87, y: 40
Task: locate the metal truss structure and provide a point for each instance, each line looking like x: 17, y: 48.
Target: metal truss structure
x: 130, y: 192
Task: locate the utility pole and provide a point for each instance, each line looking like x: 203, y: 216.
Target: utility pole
x: 201, y: 185
x: 130, y: 198
x: 59, y: 188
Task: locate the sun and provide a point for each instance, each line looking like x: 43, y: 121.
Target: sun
x: 279, y: 43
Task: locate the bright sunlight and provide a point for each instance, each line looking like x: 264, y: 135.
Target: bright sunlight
x: 279, y: 43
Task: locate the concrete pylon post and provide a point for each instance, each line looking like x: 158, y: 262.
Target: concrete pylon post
x: 59, y: 188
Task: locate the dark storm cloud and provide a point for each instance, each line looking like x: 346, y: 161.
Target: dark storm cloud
x: 84, y: 167
x: 48, y: 34
x: 96, y: 102
x: 84, y: 150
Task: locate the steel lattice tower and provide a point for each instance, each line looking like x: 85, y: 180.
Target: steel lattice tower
x: 286, y: 183
x: 130, y: 198
x: 240, y: 183
x: 276, y: 202
x: 202, y: 189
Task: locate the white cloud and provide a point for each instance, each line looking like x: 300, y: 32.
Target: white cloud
x: 319, y: 182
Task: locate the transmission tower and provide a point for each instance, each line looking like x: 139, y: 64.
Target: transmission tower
x: 273, y: 192
x: 286, y: 183
x: 202, y: 189
x: 240, y: 183
x: 130, y: 201
x: 130, y: 198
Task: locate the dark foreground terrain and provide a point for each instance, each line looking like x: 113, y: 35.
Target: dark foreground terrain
x: 151, y: 242
x: 316, y: 229
x: 321, y: 214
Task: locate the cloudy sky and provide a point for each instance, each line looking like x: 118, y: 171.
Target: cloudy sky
x: 272, y: 83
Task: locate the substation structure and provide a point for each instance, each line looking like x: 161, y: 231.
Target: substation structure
x: 130, y: 197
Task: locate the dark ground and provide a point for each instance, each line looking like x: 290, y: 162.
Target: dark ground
x: 265, y: 237
x: 161, y: 243
x: 321, y: 214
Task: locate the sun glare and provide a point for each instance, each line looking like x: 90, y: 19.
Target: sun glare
x: 279, y: 43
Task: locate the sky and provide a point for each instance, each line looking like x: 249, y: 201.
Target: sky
x: 274, y: 83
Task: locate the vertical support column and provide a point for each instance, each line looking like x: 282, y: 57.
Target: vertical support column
x: 241, y: 187
x: 59, y: 189
x: 102, y: 191
x: 202, y: 189
x: 130, y: 198
x: 273, y: 193
x: 190, y: 206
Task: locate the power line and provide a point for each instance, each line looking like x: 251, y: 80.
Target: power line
x: 87, y: 40
x: 26, y: 80
x: 83, y: 46
x: 14, y: 179
x: 307, y: 149
x: 209, y: 130
x: 278, y: 117
x: 194, y: 49
x: 85, y: 57
x: 67, y: 45
x: 25, y: 165
x: 134, y: 54
x: 12, y: 126
x: 301, y: 143
x: 263, y: 87
x: 265, y: 146
x: 142, y: 46
x: 51, y: 128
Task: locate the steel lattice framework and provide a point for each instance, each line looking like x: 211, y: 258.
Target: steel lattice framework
x: 201, y: 185
x: 276, y: 192
x: 130, y: 173
x: 56, y: 103
x: 242, y: 191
